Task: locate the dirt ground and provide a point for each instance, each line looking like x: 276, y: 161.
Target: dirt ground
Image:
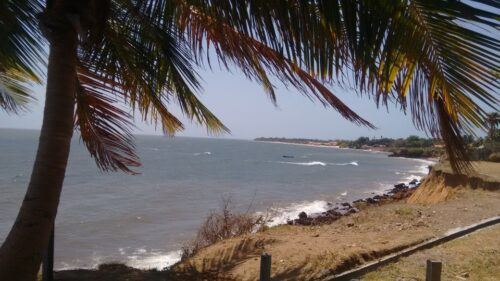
x: 475, y: 257
x: 487, y: 170
x: 308, y: 253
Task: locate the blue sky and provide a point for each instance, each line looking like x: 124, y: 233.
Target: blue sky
x: 244, y: 107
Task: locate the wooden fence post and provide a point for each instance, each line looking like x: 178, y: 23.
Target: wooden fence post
x: 265, y: 267
x: 433, y: 272
x: 48, y: 260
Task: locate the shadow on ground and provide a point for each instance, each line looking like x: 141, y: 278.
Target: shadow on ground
x: 119, y: 272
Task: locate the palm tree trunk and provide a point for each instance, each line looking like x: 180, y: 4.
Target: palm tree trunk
x: 22, y: 251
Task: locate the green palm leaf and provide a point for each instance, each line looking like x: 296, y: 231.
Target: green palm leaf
x: 22, y: 54
x: 14, y: 91
x: 436, y: 58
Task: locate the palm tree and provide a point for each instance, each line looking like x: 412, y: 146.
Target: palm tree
x: 493, y: 119
x: 426, y: 55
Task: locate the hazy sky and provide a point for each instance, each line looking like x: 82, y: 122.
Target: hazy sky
x: 244, y: 107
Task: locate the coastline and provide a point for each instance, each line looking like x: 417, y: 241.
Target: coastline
x: 313, y: 247
x: 371, y: 150
x: 282, y: 215
x: 302, y: 144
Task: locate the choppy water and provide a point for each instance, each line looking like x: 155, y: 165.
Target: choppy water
x: 143, y: 220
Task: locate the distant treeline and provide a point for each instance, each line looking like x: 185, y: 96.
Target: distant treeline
x: 411, y: 141
x: 412, y: 146
x: 292, y: 140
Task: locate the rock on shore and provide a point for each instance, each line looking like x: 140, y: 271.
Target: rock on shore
x: 338, y: 210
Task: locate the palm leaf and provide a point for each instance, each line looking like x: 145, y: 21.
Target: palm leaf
x: 153, y: 67
x: 428, y: 56
x: 22, y: 54
x: 256, y: 59
x: 15, y: 92
x: 421, y: 54
x: 104, y: 126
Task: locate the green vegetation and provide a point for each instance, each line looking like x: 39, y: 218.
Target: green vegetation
x: 486, y: 149
x: 404, y: 211
x: 412, y: 146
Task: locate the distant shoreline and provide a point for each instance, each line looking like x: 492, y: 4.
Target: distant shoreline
x: 371, y: 150
x: 302, y: 144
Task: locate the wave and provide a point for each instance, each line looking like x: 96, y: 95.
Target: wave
x: 319, y: 163
x: 153, y: 260
x: 353, y: 163
x: 138, y: 258
x: 283, y: 214
x: 423, y: 168
x: 204, y: 153
x: 412, y: 177
x: 312, y: 163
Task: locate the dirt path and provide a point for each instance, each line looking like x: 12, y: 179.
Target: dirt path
x: 475, y: 257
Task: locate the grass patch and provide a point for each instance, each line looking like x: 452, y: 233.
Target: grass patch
x: 404, y: 211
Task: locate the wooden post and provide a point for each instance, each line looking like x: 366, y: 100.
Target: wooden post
x: 48, y: 260
x: 265, y: 267
x: 433, y: 272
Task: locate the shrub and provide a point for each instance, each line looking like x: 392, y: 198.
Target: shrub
x: 494, y: 157
x: 222, y: 225
x: 404, y: 211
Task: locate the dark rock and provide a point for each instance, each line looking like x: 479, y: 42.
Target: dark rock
x: 352, y: 211
x: 345, y: 204
x: 413, y: 181
x: 400, y: 186
x: 302, y: 215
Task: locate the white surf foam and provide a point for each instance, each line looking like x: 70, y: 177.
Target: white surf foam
x: 312, y: 163
x: 412, y: 177
x: 424, y: 167
x: 153, y: 260
x: 204, y: 153
x: 283, y: 214
x: 139, y: 258
x: 319, y: 163
x: 353, y: 163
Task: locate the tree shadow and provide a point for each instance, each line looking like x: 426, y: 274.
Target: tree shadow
x: 119, y: 272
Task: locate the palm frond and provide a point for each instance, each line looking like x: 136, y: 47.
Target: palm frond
x: 256, y: 59
x: 140, y: 65
x: 22, y: 55
x: 15, y: 92
x: 151, y: 63
x: 104, y: 126
x: 420, y: 53
x: 427, y: 55
x: 22, y: 45
x: 458, y: 61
